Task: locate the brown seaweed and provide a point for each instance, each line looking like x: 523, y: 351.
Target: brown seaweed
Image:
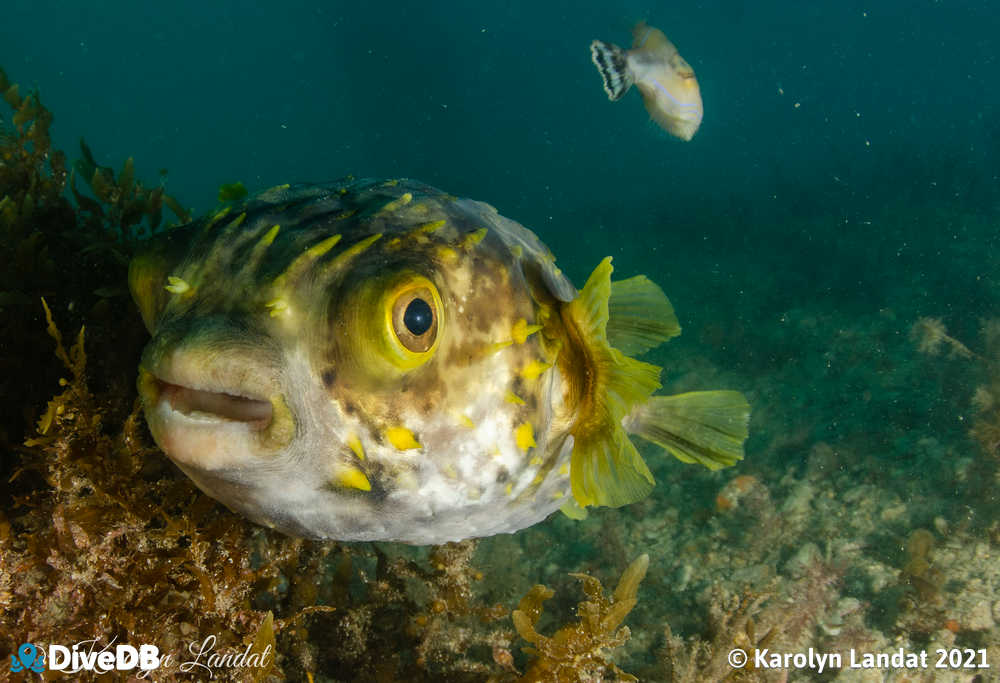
x: 579, y: 651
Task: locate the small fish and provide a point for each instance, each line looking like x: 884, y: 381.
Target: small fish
x: 665, y: 80
x: 378, y: 360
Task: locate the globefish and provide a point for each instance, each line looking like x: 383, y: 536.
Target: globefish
x: 665, y: 80
x: 378, y: 360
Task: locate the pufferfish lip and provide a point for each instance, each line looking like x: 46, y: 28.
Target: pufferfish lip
x: 206, y: 404
x: 254, y: 411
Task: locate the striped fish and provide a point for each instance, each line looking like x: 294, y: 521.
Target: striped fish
x: 665, y: 80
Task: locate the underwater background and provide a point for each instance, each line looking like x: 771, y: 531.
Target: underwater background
x: 828, y: 239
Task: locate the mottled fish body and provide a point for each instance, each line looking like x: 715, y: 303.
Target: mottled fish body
x: 665, y: 80
x: 377, y: 360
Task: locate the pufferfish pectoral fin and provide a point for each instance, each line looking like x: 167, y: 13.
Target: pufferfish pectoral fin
x: 706, y: 427
x: 605, y: 467
x: 573, y: 510
x: 640, y: 316
x: 608, y: 470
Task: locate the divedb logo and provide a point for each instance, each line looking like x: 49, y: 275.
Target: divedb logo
x: 86, y: 655
x: 28, y: 659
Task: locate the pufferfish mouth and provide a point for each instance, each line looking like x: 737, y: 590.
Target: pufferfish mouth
x: 216, y: 415
x: 206, y: 405
x: 256, y: 412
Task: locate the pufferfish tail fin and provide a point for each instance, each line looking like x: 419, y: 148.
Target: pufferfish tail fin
x: 612, y: 62
x: 706, y: 427
x: 605, y: 467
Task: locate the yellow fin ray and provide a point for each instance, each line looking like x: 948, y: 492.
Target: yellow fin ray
x: 706, y: 427
x: 605, y: 468
x: 608, y: 470
x: 640, y: 316
x: 573, y: 510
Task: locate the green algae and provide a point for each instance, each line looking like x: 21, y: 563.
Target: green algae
x: 232, y: 192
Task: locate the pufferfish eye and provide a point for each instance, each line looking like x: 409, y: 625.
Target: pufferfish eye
x: 391, y: 324
x: 415, y: 319
x: 418, y: 317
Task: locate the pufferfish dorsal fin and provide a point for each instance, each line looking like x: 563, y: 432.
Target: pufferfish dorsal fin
x: 605, y: 468
x: 640, y: 316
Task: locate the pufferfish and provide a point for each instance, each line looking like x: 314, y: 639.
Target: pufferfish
x: 377, y: 360
x: 665, y: 80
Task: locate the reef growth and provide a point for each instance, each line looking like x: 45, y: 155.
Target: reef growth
x: 581, y: 647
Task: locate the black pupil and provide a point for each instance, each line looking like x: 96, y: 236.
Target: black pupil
x: 418, y: 317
